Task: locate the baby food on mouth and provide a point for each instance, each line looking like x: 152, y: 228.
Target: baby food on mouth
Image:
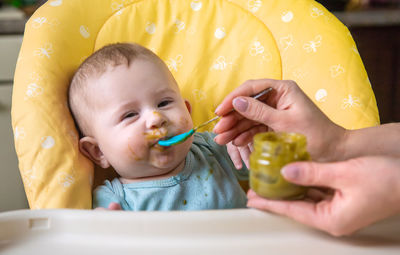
x: 159, y: 148
x: 154, y: 134
x: 271, y: 152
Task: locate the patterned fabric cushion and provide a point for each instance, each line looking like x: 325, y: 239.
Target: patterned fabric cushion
x: 210, y: 46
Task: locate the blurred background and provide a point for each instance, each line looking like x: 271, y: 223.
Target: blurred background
x: 374, y: 25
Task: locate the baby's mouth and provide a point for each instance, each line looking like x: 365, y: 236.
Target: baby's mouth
x: 155, y: 135
x: 161, y: 139
x: 154, y: 144
x: 158, y: 147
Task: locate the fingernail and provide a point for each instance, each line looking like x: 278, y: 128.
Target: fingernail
x: 238, y: 166
x: 216, y: 110
x: 240, y: 104
x: 290, y: 172
x: 215, y: 128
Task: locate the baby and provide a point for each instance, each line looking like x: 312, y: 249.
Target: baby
x: 124, y: 100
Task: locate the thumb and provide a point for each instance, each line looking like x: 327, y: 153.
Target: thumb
x: 253, y: 109
x: 314, y: 174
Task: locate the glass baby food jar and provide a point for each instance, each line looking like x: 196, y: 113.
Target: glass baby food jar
x: 271, y: 152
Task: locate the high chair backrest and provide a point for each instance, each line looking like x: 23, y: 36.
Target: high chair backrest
x: 210, y: 46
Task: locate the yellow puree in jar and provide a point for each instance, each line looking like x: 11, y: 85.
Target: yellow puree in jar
x: 271, y: 152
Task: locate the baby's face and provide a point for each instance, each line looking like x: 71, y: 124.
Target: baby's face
x: 135, y: 107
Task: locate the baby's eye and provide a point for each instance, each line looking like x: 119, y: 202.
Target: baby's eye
x: 130, y: 115
x: 164, y: 103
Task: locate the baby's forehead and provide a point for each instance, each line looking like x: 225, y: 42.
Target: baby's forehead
x: 161, y: 70
x: 165, y: 84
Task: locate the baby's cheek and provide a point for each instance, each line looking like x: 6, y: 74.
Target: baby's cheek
x: 133, y: 154
x: 136, y: 151
x: 185, y: 123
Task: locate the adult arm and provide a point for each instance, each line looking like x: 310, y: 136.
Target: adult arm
x: 379, y: 140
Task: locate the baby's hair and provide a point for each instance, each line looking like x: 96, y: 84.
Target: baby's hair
x: 95, y: 65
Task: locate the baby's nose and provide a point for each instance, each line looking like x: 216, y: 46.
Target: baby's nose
x: 155, y: 120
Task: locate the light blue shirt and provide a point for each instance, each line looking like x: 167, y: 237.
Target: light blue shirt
x: 209, y: 180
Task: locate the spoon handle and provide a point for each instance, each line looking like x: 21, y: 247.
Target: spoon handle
x: 257, y: 96
x: 207, y: 122
x: 262, y: 93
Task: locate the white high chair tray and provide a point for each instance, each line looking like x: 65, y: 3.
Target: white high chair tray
x: 239, y: 231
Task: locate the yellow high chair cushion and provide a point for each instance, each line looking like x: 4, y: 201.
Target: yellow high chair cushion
x: 210, y: 46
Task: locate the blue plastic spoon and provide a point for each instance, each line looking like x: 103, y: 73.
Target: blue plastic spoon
x: 183, y: 137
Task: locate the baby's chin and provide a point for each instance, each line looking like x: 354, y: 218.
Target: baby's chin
x: 171, y: 157
x: 154, y: 169
x: 164, y: 168
x: 167, y: 160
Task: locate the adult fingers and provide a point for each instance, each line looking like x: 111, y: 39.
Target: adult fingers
x: 239, y: 128
x: 240, y: 138
x: 247, y: 136
x: 245, y: 154
x: 317, y: 195
x: 255, y: 110
x: 234, y: 154
x: 301, y: 211
x: 251, y: 146
x: 309, y: 173
x: 226, y: 122
x: 248, y: 88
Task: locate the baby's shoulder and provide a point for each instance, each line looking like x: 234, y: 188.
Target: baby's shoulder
x: 204, y: 141
x: 114, y: 186
x: 204, y: 138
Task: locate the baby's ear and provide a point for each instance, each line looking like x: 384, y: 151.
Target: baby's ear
x: 90, y: 148
x: 188, y: 106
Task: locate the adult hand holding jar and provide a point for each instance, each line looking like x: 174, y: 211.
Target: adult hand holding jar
x: 358, y: 171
